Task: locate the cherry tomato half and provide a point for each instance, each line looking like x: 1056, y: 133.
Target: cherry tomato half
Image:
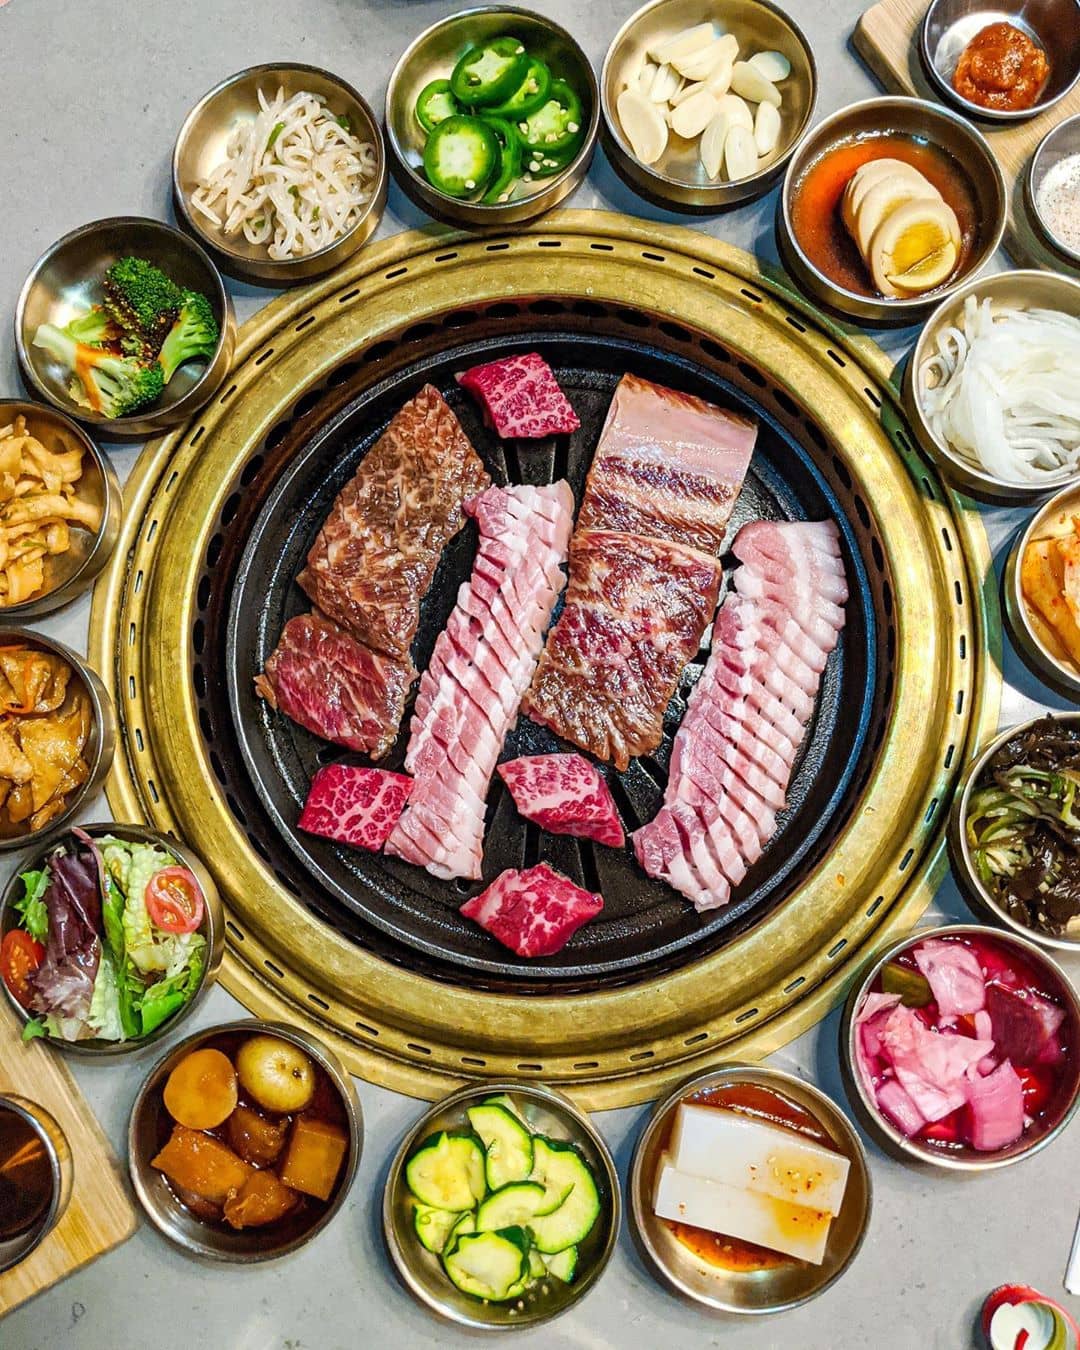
x: 174, y: 900
x: 20, y: 956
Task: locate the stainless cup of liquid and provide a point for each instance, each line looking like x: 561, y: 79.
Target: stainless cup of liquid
x: 36, y: 1176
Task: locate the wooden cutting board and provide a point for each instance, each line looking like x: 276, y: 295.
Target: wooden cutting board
x: 887, y: 38
x: 100, y: 1215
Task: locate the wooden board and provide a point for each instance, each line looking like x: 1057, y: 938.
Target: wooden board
x: 100, y: 1215
x: 887, y: 38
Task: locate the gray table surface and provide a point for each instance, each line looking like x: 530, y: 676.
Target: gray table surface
x: 91, y: 96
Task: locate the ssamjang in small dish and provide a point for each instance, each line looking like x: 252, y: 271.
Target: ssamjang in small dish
x: 964, y: 1044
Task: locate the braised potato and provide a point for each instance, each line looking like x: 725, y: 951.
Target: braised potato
x: 202, y: 1164
x: 201, y: 1092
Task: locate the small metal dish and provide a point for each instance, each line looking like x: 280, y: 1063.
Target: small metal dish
x: 200, y: 147
x: 1052, y: 977
x: 913, y: 117
x: 40, y: 1144
x: 100, y: 744
x: 69, y: 574
x: 149, y: 1128
x: 1034, y: 641
x: 967, y: 879
x: 949, y: 25
x: 1060, y: 143
x: 678, y: 180
x: 547, y: 1112
x: 432, y: 56
x: 750, y: 1292
x: 212, y: 929
x: 1031, y: 289
x: 66, y: 280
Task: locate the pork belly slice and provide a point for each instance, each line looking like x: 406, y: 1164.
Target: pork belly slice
x: 354, y: 805
x: 667, y: 466
x: 564, y: 794
x: 481, y: 666
x: 373, y: 560
x: 734, y: 753
x: 533, y: 912
x: 520, y: 397
x: 634, y: 614
x: 336, y: 687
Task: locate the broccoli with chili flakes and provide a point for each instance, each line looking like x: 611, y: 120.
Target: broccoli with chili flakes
x: 114, y: 385
x: 144, y: 302
x: 193, y: 336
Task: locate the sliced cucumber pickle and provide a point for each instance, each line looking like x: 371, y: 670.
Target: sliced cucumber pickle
x: 508, y: 1145
x: 447, y: 1172
x: 492, y: 1266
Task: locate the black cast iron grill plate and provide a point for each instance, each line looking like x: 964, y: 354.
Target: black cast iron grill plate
x: 265, y: 763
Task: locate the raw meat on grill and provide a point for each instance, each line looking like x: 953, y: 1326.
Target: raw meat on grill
x: 564, y: 794
x: 733, y: 755
x: 373, y: 560
x: 482, y: 663
x: 521, y: 397
x: 335, y: 686
x: 535, y: 912
x: 355, y: 805
x: 644, y: 569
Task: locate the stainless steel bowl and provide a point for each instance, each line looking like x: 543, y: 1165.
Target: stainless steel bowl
x: 907, y: 1150
x: 100, y: 744
x: 68, y: 575
x: 200, y: 147
x: 1060, y: 142
x: 212, y: 929
x: 432, y: 56
x: 949, y: 25
x: 678, y: 181
x: 34, y: 1122
x: 148, y: 1128
x: 1016, y: 290
x: 911, y: 116
x: 67, y: 279
x: 547, y: 1112
x: 762, y: 1291
x: 1034, y: 641
x: 967, y: 879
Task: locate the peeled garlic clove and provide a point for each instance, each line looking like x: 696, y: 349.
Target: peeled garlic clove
x: 751, y: 84
x: 719, y: 79
x: 766, y: 128
x: 666, y: 84
x: 688, y: 91
x: 643, y: 124
x: 737, y: 109
x: 694, y: 114
x: 644, y: 77
x: 711, y: 147
x: 773, y: 65
x: 740, y: 154
x: 699, y: 65
x: 682, y: 44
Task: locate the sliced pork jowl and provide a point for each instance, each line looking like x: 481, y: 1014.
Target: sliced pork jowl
x: 734, y: 753
x: 644, y: 569
x: 482, y: 663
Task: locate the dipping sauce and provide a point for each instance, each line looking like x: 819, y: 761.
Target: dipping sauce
x: 26, y: 1178
x: 1058, y: 202
x: 816, y: 202
x: 772, y: 1108
x: 1001, y: 69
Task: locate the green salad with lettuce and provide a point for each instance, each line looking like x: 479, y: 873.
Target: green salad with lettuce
x: 108, y: 943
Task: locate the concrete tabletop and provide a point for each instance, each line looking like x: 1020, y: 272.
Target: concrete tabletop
x: 91, y: 96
